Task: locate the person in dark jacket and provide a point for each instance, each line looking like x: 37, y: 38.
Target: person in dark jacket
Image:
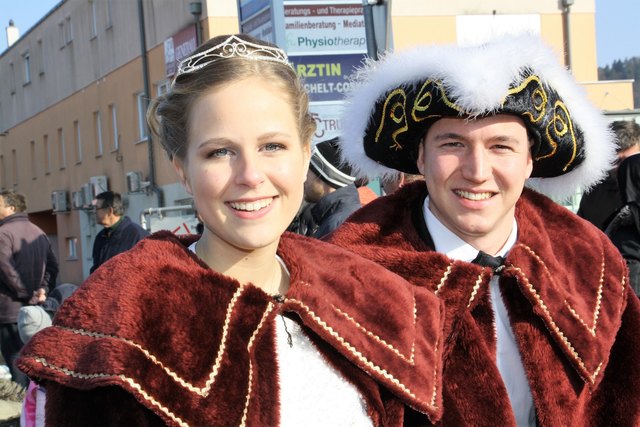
x: 330, y: 191
x: 624, y: 227
x: 119, y: 234
x: 28, y: 269
x: 599, y: 204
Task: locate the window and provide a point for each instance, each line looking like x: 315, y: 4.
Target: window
x: 26, y: 61
x: 62, y: 150
x: 68, y: 31
x: 34, y: 163
x: 163, y: 88
x: 14, y: 160
x: 12, y: 79
x: 61, y: 36
x: 97, y: 128
x: 109, y: 13
x: 94, y: 20
x: 40, y: 57
x: 47, y: 155
x: 72, y: 245
x: 141, y: 102
x: 113, y: 129
x: 77, y: 141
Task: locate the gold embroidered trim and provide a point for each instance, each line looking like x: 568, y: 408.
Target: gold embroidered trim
x: 201, y: 391
x: 410, y: 360
x: 146, y: 396
x: 351, y: 349
x: 596, y: 312
x: 249, y: 347
x: 434, y: 394
x: 444, y: 278
x: 475, y: 289
x: 555, y: 327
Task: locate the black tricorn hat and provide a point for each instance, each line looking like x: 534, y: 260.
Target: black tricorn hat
x: 394, y: 102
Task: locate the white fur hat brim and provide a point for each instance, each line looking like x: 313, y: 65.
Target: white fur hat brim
x: 478, y: 78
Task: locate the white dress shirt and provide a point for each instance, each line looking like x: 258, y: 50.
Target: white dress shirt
x: 507, y: 353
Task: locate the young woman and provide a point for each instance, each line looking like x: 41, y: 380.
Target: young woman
x: 241, y: 325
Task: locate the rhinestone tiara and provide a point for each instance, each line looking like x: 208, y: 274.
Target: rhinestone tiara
x: 232, y: 47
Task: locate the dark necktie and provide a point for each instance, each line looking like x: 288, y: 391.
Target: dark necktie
x: 486, y: 260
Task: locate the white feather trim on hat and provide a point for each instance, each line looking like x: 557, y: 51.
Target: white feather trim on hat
x: 478, y: 78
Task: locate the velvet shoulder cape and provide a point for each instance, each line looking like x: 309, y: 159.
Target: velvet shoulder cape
x: 566, y: 291
x: 198, y: 348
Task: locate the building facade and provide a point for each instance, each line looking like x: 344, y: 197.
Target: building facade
x: 73, y: 102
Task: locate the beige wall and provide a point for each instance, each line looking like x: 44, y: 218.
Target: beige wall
x: 117, y: 88
x: 417, y: 23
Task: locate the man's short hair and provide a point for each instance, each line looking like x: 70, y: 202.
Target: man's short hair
x: 15, y: 199
x: 627, y: 133
x: 111, y: 199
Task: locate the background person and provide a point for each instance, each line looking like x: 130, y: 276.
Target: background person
x: 602, y: 200
x: 28, y: 270
x: 329, y: 190
x: 393, y: 183
x: 119, y: 233
x: 242, y: 325
x: 624, y: 228
x: 31, y: 320
x: 541, y: 327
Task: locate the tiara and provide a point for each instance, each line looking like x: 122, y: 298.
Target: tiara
x: 232, y: 47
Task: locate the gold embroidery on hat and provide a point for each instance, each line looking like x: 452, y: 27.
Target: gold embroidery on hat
x: 560, y: 126
x: 423, y: 100
x: 539, y: 98
x: 410, y: 359
x: 392, y: 112
x: 426, y: 93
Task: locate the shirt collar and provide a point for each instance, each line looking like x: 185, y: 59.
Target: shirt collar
x: 446, y: 242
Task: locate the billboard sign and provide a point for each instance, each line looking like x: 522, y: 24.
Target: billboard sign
x: 326, y: 77
x: 178, y: 47
x: 331, y: 27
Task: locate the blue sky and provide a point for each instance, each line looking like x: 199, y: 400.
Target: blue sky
x: 617, y: 24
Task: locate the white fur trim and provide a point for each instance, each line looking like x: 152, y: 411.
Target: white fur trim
x: 478, y: 78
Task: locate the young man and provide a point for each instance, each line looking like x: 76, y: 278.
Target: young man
x: 545, y: 333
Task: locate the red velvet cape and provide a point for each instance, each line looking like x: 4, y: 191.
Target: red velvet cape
x: 576, y: 322
x: 197, y: 348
